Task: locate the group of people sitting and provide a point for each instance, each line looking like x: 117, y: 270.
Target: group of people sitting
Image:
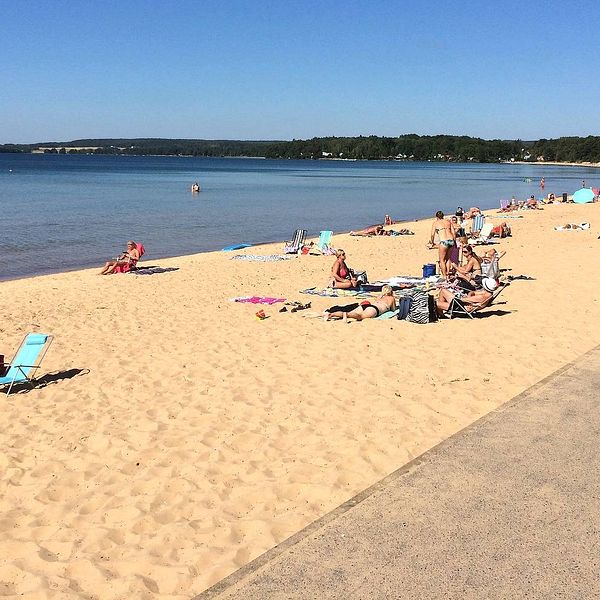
x: 530, y: 203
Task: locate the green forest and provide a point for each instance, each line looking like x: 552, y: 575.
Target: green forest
x: 442, y: 148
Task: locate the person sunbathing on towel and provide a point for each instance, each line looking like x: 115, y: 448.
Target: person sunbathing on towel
x: 471, y: 300
x: 367, y: 309
x: 131, y: 255
x: 342, y: 276
x: 371, y: 230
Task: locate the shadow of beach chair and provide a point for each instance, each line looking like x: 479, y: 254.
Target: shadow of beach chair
x: 295, y: 245
x: 27, y: 360
x: 458, y: 308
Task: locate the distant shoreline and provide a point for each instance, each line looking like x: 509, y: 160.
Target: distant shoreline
x: 552, y: 163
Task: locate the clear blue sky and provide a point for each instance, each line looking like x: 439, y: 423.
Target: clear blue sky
x: 296, y: 69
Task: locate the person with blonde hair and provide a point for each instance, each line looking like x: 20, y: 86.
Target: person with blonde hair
x: 131, y: 255
x: 367, y: 309
x: 342, y: 277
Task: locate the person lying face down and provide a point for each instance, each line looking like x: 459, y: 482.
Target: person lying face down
x: 471, y: 300
x: 367, y: 309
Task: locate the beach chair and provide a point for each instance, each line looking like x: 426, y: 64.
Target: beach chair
x: 27, y: 360
x: 324, y: 242
x: 295, y: 245
x: 477, y: 224
x: 504, y: 204
x: 131, y: 265
x: 458, y: 308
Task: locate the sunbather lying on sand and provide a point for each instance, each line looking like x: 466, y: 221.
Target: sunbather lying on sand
x: 471, y: 300
x: 367, y: 309
x: 371, y: 230
x: 572, y: 226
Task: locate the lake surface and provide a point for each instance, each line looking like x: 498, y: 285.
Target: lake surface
x: 63, y: 212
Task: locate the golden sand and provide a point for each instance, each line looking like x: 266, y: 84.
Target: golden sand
x: 201, y: 436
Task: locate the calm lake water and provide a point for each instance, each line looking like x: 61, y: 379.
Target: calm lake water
x: 73, y: 211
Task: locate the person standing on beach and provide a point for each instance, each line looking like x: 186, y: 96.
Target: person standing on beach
x: 447, y: 239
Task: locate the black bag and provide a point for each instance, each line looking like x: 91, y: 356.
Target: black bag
x: 361, y: 276
x: 403, y: 307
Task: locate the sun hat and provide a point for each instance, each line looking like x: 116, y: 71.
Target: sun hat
x: 489, y: 284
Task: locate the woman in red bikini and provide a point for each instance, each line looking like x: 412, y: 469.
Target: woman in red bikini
x: 341, y: 275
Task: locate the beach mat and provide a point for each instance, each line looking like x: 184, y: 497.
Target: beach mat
x: 335, y: 293
x: 266, y: 258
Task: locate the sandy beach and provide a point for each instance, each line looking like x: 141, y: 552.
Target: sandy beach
x: 182, y: 437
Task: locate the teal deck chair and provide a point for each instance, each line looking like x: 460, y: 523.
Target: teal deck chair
x: 27, y: 360
x: 324, y: 240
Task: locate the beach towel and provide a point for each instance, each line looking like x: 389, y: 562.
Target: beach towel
x: 153, y: 270
x: 131, y: 265
x: 390, y: 314
x: 267, y: 258
x: 258, y: 299
x: 335, y: 293
x: 400, y: 232
x: 572, y: 227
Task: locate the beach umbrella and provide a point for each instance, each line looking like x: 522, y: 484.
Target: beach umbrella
x: 583, y: 195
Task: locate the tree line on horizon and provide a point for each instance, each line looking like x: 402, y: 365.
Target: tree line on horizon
x: 442, y: 148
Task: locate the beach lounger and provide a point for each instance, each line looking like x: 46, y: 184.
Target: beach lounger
x: 27, y: 360
x: 458, y: 308
x: 477, y: 224
x: 132, y: 265
x: 324, y: 242
x: 295, y: 245
x: 484, y: 236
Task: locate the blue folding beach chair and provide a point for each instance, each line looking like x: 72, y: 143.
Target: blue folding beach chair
x: 27, y: 360
x: 324, y: 241
x: 477, y: 224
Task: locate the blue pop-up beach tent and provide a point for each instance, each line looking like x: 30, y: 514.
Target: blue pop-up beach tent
x: 583, y: 195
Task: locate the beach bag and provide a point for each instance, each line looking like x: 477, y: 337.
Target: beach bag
x: 403, y: 307
x: 433, y: 313
x: 419, y: 308
x: 361, y: 276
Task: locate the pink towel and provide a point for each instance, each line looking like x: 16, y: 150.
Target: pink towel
x: 260, y: 300
x: 132, y: 263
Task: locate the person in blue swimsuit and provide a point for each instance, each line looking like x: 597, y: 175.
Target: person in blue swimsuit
x: 446, y: 239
